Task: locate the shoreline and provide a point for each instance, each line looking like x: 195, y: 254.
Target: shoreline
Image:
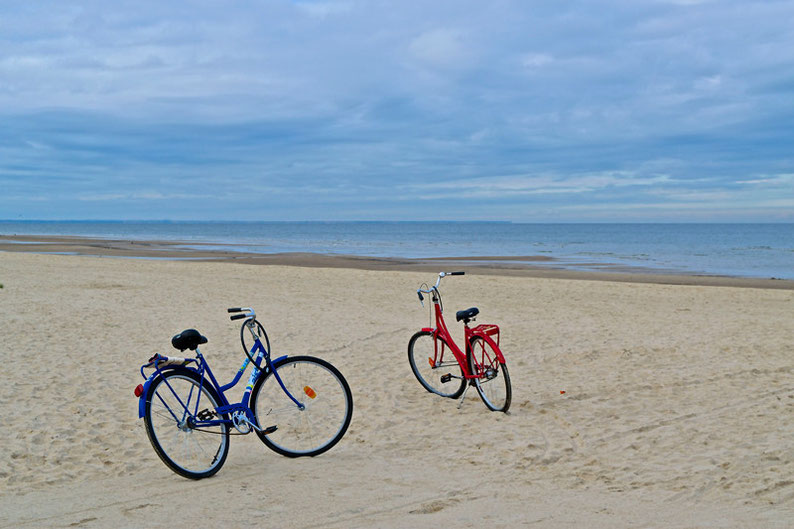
x: 511, y: 266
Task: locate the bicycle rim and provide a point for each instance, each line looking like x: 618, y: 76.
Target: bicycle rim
x: 327, y: 401
x: 430, y: 360
x: 188, y: 452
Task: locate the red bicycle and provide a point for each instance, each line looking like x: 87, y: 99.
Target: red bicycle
x: 433, y: 356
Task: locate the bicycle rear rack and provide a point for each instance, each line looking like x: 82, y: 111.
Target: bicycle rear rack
x: 488, y: 329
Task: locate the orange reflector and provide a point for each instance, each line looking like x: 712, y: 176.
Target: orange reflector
x: 309, y: 392
x: 430, y: 361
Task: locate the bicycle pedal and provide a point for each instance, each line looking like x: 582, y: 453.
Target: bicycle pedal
x: 205, y: 415
x: 269, y: 430
x: 446, y: 378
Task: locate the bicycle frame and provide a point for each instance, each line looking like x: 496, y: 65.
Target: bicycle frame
x: 441, y: 334
x: 258, y: 351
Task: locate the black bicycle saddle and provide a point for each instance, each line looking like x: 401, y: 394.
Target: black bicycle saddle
x: 188, y: 339
x: 467, y: 314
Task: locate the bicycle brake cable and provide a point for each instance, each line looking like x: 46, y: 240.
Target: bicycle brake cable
x: 429, y: 306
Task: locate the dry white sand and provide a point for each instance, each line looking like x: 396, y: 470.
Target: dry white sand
x: 678, y: 411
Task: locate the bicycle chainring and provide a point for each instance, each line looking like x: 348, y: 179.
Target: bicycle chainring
x: 241, y: 423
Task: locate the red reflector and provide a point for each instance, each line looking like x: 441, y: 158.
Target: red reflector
x: 139, y: 390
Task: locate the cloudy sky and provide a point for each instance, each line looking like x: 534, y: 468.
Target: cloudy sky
x: 617, y: 110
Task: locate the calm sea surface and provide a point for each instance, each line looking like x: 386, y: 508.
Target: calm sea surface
x: 746, y: 250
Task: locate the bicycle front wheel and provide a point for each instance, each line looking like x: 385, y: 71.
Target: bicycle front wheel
x: 491, y: 377
x: 327, y: 406
x: 433, y: 365
x: 172, y: 404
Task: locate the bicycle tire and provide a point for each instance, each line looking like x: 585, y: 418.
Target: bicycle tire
x: 328, y: 402
x: 492, y: 378
x: 421, y: 352
x: 190, y: 453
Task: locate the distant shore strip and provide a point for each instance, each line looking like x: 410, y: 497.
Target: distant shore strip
x: 526, y: 266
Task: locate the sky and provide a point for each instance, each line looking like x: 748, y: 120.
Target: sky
x: 518, y: 110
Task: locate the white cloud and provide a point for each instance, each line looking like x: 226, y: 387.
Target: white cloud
x: 779, y: 179
x: 708, y: 83
x: 441, y: 48
x: 532, y: 61
x: 688, y: 2
x: 544, y: 184
x: 140, y: 196
x: 37, y: 145
x: 324, y: 9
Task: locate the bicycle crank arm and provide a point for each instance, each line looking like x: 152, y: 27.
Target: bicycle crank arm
x: 265, y: 431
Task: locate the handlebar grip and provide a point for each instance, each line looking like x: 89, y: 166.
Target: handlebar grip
x: 456, y: 273
x: 237, y: 317
x: 236, y: 309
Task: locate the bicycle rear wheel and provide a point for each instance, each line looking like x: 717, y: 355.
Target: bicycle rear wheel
x: 170, y: 413
x: 327, y: 401
x: 492, y: 378
x: 431, y: 360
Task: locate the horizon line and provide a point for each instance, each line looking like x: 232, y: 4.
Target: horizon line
x: 373, y: 221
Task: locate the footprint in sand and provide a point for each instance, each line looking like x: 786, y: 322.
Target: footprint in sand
x: 434, y: 506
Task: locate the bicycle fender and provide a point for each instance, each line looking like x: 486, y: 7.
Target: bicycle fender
x: 280, y: 359
x: 145, y: 393
x: 493, y: 346
x: 142, y: 398
x: 266, y: 370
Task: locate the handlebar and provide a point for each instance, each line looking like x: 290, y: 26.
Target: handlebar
x: 441, y: 276
x: 254, y: 327
x: 434, y: 288
x: 249, y: 313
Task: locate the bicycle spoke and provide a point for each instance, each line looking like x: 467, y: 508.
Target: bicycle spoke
x: 286, y: 409
x: 166, y: 416
x: 186, y: 451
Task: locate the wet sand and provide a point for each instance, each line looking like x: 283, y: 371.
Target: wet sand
x: 515, y: 266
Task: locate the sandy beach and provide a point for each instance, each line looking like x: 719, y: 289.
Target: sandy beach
x: 677, y: 411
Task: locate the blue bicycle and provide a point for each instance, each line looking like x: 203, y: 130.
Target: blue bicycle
x: 297, y: 405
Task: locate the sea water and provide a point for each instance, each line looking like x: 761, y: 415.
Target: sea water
x: 743, y: 250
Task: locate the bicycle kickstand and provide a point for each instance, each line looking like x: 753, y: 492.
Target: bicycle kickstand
x: 463, y: 396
